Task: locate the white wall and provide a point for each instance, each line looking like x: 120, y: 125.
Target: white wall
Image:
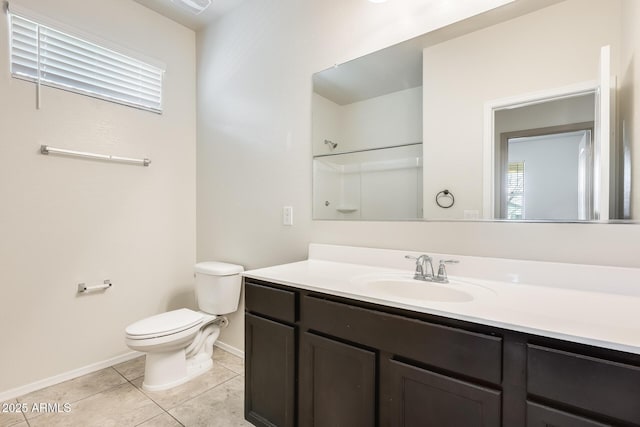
x: 383, y: 121
x: 64, y: 221
x: 327, y: 122
x: 254, y: 144
x: 510, y: 59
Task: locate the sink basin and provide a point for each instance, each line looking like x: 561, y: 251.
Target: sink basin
x: 406, y: 287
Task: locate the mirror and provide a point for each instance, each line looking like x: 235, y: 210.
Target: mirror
x: 522, y: 113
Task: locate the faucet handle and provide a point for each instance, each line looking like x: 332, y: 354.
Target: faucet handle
x: 442, y: 271
x: 418, y: 260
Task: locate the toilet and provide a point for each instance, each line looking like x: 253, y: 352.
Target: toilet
x: 179, y: 343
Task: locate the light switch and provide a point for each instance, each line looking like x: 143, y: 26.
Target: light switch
x: 287, y: 215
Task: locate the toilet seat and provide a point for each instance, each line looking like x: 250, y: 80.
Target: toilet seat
x: 164, y: 324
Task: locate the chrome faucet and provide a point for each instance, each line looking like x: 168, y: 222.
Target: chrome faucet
x: 424, y: 269
x: 423, y: 266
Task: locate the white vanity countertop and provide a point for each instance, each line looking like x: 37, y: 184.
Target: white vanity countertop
x: 593, y: 305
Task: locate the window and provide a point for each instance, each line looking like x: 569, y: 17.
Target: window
x: 50, y: 57
x: 515, y: 190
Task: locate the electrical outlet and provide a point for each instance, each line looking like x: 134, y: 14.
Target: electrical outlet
x: 287, y: 215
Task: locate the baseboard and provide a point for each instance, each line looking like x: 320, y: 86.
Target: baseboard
x: 66, y: 376
x: 230, y: 349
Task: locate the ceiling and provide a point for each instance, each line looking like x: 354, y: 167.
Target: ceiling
x: 174, y: 11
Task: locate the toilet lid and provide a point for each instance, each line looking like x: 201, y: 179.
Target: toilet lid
x: 167, y: 323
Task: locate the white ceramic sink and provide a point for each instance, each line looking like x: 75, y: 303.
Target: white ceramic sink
x: 393, y: 286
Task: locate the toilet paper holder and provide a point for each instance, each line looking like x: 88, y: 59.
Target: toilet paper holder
x: 83, y: 288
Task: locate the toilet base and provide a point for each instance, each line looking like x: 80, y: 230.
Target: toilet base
x: 166, y: 373
x: 165, y: 370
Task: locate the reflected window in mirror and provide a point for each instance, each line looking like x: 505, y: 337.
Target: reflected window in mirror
x: 546, y: 173
x: 515, y: 191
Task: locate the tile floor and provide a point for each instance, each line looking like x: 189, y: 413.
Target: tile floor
x: 114, y: 397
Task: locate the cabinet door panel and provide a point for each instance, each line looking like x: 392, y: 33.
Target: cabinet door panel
x: 270, y: 372
x: 426, y: 399
x: 542, y: 416
x: 337, y: 384
x: 585, y: 382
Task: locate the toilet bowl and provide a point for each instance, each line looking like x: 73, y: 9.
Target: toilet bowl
x: 179, y: 343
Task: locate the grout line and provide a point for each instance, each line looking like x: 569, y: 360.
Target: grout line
x: 70, y: 402
x: 209, y: 389
x: 222, y: 365
x: 65, y: 376
x: 157, y: 415
x: 177, y: 420
x: 146, y: 395
x: 121, y: 374
x: 197, y: 395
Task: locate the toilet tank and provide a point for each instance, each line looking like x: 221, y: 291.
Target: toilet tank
x: 218, y: 287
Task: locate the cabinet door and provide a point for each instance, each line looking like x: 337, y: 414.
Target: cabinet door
x: 584, y: 382
x: 269, y: 372
x: 426, y: 399
x: 337, y: 384
x: 542, y: 416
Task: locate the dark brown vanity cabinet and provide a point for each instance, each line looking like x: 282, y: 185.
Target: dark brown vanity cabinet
x: 320, y: 360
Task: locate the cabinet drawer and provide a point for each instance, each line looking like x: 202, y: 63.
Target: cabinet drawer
x: 595, y: 385
x: 543, y: 416
x: 272, y: 302
x: 467, y: 353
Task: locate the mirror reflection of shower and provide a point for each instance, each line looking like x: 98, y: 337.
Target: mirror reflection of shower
x: 381, y: 183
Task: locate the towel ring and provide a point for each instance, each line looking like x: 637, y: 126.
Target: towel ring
x: 445, y: 199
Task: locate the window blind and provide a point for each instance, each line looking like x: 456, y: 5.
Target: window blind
x: 53, y: 58
x: 515, y: 190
